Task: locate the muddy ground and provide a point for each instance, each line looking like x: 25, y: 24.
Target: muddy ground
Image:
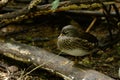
x: 43, y: 32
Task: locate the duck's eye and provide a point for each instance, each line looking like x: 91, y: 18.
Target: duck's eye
x: 65, y: 32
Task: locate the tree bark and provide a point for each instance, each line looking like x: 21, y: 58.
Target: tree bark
x: 49, y: 61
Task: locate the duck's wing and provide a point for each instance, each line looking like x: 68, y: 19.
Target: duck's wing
x: 89, y: 37
x: 80, y: 43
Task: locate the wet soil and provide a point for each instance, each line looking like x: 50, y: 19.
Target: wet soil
x: 43, y: 32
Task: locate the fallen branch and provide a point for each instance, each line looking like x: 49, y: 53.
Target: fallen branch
x: 26, y: 13
x: 18, y: 15
x: 49, y: 61
x: 32, y: 10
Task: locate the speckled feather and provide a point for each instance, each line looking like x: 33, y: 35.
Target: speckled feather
x: 75, y: 43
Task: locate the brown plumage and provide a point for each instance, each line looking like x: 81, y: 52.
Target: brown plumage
x: 75, y: 43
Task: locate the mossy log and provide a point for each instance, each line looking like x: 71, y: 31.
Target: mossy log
x: 49, y: 61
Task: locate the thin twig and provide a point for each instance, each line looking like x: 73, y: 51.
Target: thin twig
x: 91, y: 25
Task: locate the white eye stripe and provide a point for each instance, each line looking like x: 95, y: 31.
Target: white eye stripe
x: 65, y: 32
